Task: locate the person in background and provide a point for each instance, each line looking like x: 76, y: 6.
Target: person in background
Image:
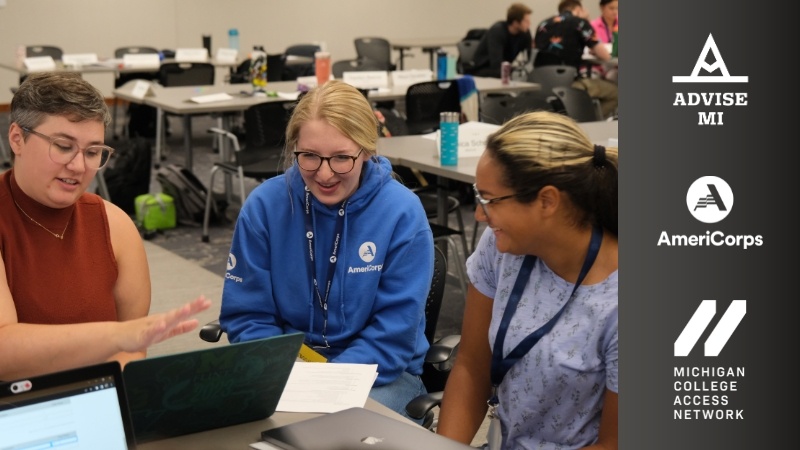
x: 604, y: 28
x: 608, y: 20
x: 561, y: 39
x: 74, y: 283
x: 504, y: 41
x: 335, y: 248
x: 546, y: 263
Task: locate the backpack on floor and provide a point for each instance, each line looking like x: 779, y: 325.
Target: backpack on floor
x: 128, y: 173
x: 189, y: 194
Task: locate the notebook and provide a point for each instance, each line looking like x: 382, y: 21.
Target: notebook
x: 356, y: 428
x: 79, y: 408
x: 204, y: 389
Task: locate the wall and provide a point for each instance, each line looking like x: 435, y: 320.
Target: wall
x: 100, y: 26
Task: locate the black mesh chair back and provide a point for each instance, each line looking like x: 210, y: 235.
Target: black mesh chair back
x: 466, y: 55
x: 44, y: 50
x: 577, y: 104
x: 265, y: 135
x: 499, y: 108
x: 127, y: 76
x: 376, y: 49
x: 424, y: 102
x: 476, y: 33
x: 294, y: 70
x: 433, y: 304
x: 186, y: 74
x: 553, y: 76
x: 354, y: 65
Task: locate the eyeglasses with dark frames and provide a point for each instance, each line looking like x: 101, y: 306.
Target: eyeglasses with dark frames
x: 63, y: 150
x: 484, y: 202
x: 341, y: 164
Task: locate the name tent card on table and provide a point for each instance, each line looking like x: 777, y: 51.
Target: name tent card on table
x: 471, y: 138
x: 367, y: 79
x: 226, y: 55
x: 142, y: 89
x: 40, y: 63
x: 409, y: 77
x: 78, y: 59
x: 141, y: 61
x: 191, y: 55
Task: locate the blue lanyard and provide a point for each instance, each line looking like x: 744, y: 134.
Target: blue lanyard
x: 323, y: 301
x: 500, y: 365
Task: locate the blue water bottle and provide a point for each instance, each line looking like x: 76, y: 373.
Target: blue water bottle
x: 441, y: 65
x: 233, y: 39
x: 448, y: 140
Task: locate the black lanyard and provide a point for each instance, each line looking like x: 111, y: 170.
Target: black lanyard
x: 323, y: 301
x: 500, y: 365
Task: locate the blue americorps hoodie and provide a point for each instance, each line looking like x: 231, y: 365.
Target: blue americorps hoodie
x: 376, y: 307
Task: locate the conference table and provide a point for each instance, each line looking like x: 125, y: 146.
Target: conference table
x: 238, y: 437
x: 420, y: 152
x: 177, y: 100
x: 428, y: 45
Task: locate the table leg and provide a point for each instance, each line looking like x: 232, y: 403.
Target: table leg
x: 159, y: 136
x: 187, y: 140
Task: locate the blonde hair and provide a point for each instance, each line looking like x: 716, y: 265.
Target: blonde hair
x: 340, y: 105
x: 539, y: 149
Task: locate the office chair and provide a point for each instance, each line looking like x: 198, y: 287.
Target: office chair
x: 44, y: 50
x: 476, y: 33
x: 123, y: 78
x: 424, y: 102
x: 261, y: 155
x: 577, y: 104
x: 294, y: 70
x: 376, y: 49
x: 275, y: 67
x: 499, y: 108
x: 354, y: 65
x: 553, y: 76
x: 441, y: 355
x: 466, y: 55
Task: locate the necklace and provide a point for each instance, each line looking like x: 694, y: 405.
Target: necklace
x: 57, y: 236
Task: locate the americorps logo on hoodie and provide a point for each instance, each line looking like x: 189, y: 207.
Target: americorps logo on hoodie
x: 367, y: 252
x: 231, y: 266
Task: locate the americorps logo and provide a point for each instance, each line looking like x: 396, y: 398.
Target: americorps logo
x: 710, y: 99
x: 710, y: 200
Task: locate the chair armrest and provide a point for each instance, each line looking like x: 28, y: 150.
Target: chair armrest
x: 422, y: 407
x: 443, y: 350
x: 211, y: 332
x: 227, y: 134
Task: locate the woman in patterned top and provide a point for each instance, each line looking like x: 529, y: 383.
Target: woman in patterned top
x: 548, y: 263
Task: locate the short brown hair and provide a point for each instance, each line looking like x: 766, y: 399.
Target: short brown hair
x: 569, y: 5
x: 517, y: 12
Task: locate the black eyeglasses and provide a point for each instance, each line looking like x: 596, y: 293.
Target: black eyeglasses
x: 487, y: 201
x: 340, y: 164
x: 63, y: 150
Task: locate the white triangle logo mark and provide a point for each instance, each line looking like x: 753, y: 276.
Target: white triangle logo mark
x: 718, y: 63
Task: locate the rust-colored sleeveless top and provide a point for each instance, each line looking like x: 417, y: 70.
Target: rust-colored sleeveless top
x: 55, y: 281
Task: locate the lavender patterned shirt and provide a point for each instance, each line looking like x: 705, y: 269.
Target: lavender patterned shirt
x: 552, y: 398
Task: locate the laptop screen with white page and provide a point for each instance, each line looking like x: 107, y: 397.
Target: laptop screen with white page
x: 83, y: 408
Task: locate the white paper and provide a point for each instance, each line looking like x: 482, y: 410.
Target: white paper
x: 221, y: 97
x: 288, y: 95
x: 40, y: 63
x: 141, y: 60
x: 367, y: 79
x: 78, y: 59
x: 471, y: 138
x: 327, y: 387
x: 191, y: 55
x: 226, y: 55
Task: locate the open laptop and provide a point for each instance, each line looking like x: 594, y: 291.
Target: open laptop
x: 199, y: 390
x: 356, y: 428
x: 79, y: 408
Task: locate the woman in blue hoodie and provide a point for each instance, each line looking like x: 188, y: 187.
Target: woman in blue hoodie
x: 335, y: 248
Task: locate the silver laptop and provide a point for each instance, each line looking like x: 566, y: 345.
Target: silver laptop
x: 356, y: 428
x: 80, y: 408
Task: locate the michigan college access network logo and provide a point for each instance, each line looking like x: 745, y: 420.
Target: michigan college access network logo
x: 721, y: 333
x: 709, y: 199
x: 710, y: 98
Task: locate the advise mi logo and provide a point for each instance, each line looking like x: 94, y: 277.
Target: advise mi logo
x: 710, y: 99
x: 709, y: 200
